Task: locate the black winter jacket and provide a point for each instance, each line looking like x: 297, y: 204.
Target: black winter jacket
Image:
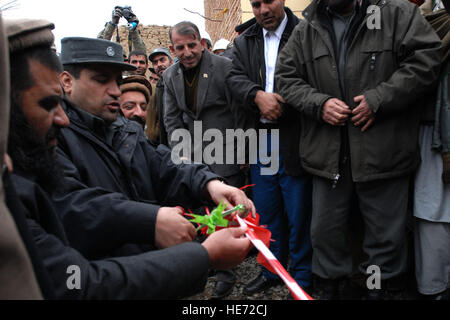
x: 249, y: 76
x: 112, y: 194
x: 171, y: 273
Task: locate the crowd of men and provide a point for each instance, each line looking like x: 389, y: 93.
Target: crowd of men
x: 353, y: 101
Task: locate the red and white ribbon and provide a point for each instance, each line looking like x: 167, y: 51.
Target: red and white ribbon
x: 294, y: 288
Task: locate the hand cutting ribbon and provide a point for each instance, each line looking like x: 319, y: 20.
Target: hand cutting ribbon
x: 258, y: 235
x: 216, y: 218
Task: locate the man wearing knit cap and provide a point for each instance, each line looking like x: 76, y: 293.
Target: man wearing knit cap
x: 161, y: 60
x: 135, y: 98
x: 63, y: 271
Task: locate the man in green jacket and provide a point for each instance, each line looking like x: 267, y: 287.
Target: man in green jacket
x: 356, y: 70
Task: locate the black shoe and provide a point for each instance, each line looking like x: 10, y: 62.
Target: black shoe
x: 259, y: 284
x: 350, y: 290
x: 325, y: 289
x: 444, y: 296
x: 222, y: 289
x: 375, y: 294
x: 306, y: 290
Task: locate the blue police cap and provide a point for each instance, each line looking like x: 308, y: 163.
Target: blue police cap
x: 78, y: 50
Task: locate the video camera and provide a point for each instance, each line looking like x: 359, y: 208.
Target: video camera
x: 128, y: 14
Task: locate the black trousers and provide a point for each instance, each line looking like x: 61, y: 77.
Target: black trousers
x: 383, y: 208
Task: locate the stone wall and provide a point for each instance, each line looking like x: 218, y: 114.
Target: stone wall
x: 153, y: 36
x: 228, y: 15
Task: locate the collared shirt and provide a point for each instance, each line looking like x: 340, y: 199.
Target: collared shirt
x: 272, y: 41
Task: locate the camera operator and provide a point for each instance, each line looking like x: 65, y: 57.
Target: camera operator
x: 133, y: 22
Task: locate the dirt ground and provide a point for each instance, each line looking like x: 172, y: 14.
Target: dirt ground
x: 245, y: 272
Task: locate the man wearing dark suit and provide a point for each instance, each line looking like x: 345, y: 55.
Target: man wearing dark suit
x: 195, y: 92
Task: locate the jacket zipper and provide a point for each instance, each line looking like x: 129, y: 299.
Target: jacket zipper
x: 336, y: 178
x: 372, y: 62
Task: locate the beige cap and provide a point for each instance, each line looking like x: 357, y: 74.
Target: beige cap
x: 27, y: 33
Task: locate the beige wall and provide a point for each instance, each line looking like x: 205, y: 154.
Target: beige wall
x: 153, y: 36
x: 229, y: 20
x: 221, y: 25
x: 295, y: 5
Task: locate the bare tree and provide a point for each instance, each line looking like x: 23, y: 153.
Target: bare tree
x: 8, y: 5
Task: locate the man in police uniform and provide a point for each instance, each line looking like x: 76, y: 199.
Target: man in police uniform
x: 110, y: 165
x: 37, y: 117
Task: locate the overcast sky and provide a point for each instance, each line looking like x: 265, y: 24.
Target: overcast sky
x: 87, y: 18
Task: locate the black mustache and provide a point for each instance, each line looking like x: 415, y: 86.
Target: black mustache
x: 139, y: 120
x: 52, y: 133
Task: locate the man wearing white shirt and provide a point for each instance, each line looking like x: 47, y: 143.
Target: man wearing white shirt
x: 282, y: 199
x: 271, y: 44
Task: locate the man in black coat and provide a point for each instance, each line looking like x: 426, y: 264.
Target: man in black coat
x: 36, y: 119
x: 118, y: 186
x: 17, y: 278
x: 282, y: 198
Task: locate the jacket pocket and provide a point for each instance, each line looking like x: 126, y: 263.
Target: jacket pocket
x: 316, y: 52
x: 319, y: 51
x: 378, y: 61
x: 321, y: 66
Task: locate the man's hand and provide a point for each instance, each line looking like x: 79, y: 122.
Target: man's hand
x: 230, y: 196
x: 335, y: 112
x: 269, y: 104
x: 8, y: 163
x: 116, y: 15
x: 362, y: 114
x: 172, y: 228
x: 227, y: 248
